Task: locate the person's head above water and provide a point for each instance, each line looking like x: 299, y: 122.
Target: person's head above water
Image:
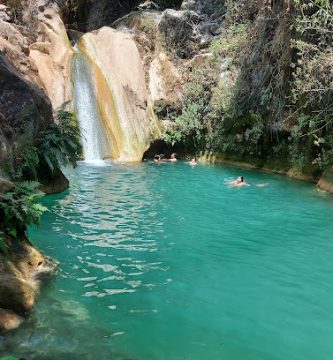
x: 173, y: 157
x: 240, y: 179
x: 157, y: 158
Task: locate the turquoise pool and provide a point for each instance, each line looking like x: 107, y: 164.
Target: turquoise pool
x: 165, y: 261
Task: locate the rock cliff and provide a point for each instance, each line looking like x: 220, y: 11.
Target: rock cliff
x: 121, y: 92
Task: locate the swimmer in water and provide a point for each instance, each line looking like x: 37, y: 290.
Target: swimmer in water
x: 156, y: 158
x: 193, y: 162
x: 162, y: 158
x: 239, y: 182
x: 173, y: 157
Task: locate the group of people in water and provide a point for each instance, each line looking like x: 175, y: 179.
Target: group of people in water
x: 239, y: 182
x: 173, y: 158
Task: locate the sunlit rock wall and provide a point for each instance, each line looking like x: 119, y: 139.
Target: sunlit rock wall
x: 121, y: 91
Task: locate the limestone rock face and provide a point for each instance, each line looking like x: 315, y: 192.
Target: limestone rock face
x: 121, y: 91
x: 164, y: 77
x: 165, y: 82
x: 52, y: 55
x: 5, y: 13
x: 24, y: 108
x: 10, y: 33
x: 35, y: 60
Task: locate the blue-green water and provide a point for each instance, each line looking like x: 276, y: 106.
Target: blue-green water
x: 163, y: 262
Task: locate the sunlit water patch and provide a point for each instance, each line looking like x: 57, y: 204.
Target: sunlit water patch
x: 163, y: 262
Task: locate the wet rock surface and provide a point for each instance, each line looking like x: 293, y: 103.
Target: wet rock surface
x: 22, y: 273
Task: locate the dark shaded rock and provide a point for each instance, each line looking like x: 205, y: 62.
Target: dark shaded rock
x: 74, y: 35
x: 91, y: 15
x: 24, y: 109
x: 5, y: 185
x: 53, y: 183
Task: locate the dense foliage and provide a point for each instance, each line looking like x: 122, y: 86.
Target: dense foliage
x: 19, y: 208
x: 266, y: 90
x: 58, y: 145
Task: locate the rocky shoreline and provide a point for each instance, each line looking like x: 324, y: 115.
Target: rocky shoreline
x: 23, y: 270
x: 22, y: 273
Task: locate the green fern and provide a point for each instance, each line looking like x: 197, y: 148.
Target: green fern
x: 60, y: 144
x: 19, y: 208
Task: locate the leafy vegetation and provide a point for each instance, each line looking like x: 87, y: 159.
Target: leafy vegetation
x: 267, y: 88
x: 19, y: 208
x: 312, y: 82
x: 58, y: 145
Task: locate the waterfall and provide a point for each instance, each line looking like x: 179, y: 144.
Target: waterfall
x: 94, y: 141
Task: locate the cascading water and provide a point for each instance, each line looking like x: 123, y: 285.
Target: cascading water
x: 95, y: 146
